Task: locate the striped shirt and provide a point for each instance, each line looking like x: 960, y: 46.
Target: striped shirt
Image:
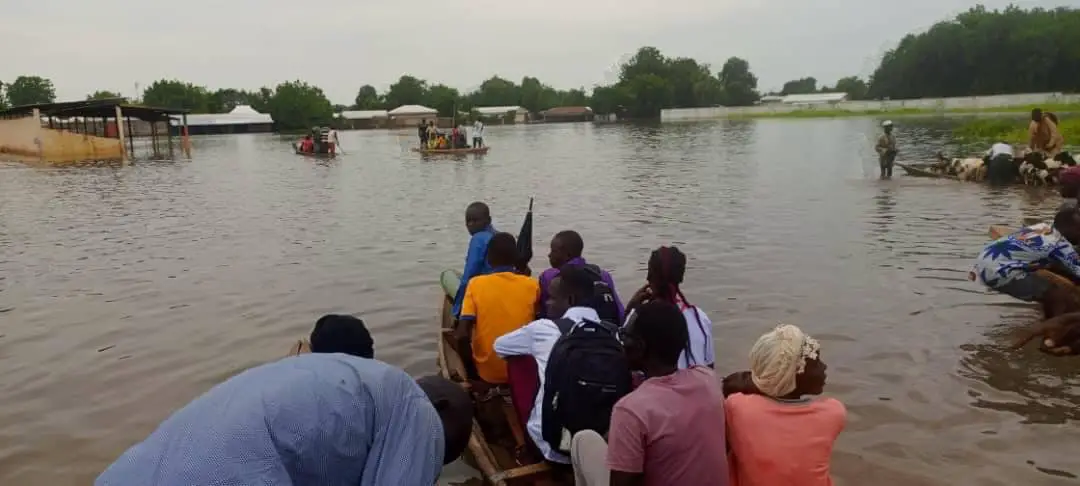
x: 326, y: 419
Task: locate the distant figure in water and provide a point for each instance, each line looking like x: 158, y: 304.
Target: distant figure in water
x: 886, y: 150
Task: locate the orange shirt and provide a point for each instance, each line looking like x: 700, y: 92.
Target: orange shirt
x: 499, y: 302
x: 786, y: 443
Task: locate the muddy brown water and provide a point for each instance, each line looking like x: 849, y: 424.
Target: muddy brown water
x: 126, y: 292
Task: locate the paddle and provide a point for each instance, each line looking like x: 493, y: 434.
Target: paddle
x: 337, y: 144
x: 524, y: 242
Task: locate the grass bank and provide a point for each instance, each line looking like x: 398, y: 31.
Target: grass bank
x: 837, y: 113
x: 1010, y: 130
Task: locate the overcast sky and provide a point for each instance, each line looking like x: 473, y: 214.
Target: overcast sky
x: 340, y: 45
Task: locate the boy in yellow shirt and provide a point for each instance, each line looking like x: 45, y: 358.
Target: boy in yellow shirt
x: 495, y: 304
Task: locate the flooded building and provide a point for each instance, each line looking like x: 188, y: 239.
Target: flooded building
x: 565, y: 114
x: 815, y: 99
x: 363, y: 119
x: 242, y: 119
x: 411, y: 115
x: 89, y: 131
x: 502, y: 114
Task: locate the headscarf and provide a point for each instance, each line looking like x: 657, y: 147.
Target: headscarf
x: 778, y: 357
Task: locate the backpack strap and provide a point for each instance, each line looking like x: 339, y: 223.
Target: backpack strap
x: 565, y: 325
x: 605, y: 325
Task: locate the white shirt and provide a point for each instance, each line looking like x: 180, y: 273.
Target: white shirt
x: 478, y: 129
x: 701, y: 340
x: 1000, y: 148
x: 536, y: 339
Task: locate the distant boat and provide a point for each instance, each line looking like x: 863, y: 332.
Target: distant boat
x: 478, y: 150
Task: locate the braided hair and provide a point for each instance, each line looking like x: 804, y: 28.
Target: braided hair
x: 667, y: 266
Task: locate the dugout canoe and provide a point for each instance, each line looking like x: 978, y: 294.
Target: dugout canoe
x: 314, y: 155
x: 489, y: 452
x: 461, y: 151
x: 923, y: 170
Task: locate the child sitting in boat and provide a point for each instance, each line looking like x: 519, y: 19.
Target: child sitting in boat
x: 306, y: 145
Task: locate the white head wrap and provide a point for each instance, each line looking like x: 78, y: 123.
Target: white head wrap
x: 778, y: 356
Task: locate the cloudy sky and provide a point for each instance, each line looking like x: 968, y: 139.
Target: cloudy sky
x: 340, y: 45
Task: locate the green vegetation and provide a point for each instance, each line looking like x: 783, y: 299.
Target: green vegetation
x: 1010, y: 129
x: 979, y: 52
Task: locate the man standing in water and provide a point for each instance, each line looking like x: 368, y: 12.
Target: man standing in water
x: 886, y: 149
x: 478, y: 134
x: 1043, y: 134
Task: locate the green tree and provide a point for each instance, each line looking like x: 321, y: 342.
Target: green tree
x: 224, y: 100
x: 1037, y: 49
x: 611, y: 99
x: 103, y: 95
x: 854, y: 87
x: 30, y: 90
x: 573, y: 97
x: 442, y: 98
x: 497, y: 91
x: 3, y: 97
x: 298, y: 105
x: 260, y: 100
x: 176, y: 94
x: 408, y: 90
x: 738, y: 84
x: 800, y: 86
x: 367, y: 98
x: 536, y: 96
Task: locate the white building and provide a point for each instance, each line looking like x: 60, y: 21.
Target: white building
x: 405, y: 115
x: 501, y: 113
x: 242, y: 119
x: 815, y: 99
x: 355, y: 119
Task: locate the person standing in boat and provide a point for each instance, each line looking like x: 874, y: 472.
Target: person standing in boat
x: 421, y: 131
x: 493, y: 305
x: 315, y: 418
x: 1008, y: 264
x: 478, y: 134
x: 886, y: 149
x: 1001, y: 165
x: 432, y: 135
x: 478, y: 223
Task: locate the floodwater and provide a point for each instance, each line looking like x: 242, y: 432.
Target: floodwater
x: 126, y: 292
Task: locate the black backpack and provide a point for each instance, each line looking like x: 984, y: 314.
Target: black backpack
x: 586, y: 374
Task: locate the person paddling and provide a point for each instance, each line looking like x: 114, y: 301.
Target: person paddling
x: 886, y: 149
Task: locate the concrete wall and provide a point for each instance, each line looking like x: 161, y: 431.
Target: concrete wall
x: 25, y: 137
x: 930, y: 104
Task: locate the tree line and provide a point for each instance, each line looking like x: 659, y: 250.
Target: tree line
x: 979, y: 52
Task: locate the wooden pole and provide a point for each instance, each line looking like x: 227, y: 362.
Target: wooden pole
x: 185, y: 140
x: 131, y: 136
x: 168, y: 130
x: 120, y: 133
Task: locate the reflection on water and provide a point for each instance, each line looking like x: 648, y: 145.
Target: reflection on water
x: 126, y: 291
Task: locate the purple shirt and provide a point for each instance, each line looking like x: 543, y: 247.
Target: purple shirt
x: 551, y: 273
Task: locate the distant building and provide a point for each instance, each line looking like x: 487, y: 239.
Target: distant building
x: 242, y: 119
x: 770, y: 99
x: 364, y: 119
x: 503, y: 114
x: 563, y: 114
x: 408, y: 115
x: 815, y: 99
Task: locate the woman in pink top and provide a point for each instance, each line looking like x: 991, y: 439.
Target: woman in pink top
x: 777, y: 434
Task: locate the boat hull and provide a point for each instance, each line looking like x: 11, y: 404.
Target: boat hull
x: 478, y: 150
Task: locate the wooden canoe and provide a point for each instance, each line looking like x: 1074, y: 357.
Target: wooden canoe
x: 495, y: 461
x: 461, y: 151
x: 923, y: 170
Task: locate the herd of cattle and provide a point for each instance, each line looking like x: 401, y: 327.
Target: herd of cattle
x: 1033, y: 168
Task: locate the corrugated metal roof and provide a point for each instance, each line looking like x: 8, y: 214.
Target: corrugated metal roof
x: 498, y: 110
x: 240, y: 115
x: 815, y: 98
x: 568, y: 110
x: 363, y: 114
x: 413, y: 110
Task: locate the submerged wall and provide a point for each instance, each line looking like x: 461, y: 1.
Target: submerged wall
x: 26, y: 138
x: 884, y: 106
